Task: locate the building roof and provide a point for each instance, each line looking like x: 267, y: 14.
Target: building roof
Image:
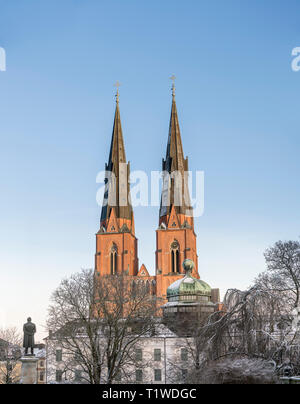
x: 188, y: 286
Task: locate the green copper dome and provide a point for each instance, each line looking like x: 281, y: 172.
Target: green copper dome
x: 188, y: 284
x: 188, y: 289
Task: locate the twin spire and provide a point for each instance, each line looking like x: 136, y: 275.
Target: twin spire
x: 174, y: 161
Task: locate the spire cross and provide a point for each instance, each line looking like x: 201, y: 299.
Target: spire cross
x: 173, y: 78
x: 117, y: 84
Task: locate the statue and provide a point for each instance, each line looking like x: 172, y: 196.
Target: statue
x: 29, y: 330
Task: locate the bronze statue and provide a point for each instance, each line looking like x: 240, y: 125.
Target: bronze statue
x: 29, y: 330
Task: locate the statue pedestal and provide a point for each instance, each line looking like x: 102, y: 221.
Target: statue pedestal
x: 29, y: 370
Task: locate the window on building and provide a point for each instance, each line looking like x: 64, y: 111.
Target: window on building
x: 133, y: 289
x: 42, y: 376
x: 147, y: 287
x: 139, y: 375
x: 138, y: 355
x: 184, y: 354
x: 58, y: 355
x: 157, y: 355
x: 41, y: 364
x: 175, y: 257
x: 157, y: 375
x: 113, y: 260
x: 153, y: 288
x: 58, y: 376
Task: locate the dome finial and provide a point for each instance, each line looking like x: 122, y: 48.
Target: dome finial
x: 188, y: 266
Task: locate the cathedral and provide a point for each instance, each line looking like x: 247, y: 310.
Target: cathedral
x: 116, y: 242
x: 181, y: 298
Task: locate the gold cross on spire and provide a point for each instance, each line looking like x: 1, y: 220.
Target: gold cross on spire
x: 117, y: 84
x: 173, y: 78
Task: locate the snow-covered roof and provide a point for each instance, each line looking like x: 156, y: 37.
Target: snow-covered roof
x: 40, y: 353
x: 188, y: 286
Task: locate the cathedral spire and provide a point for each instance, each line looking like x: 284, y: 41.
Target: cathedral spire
x: 116, y: 244
x: 175, y: 235
x: 117, y: 192
x: 175, y: 163
x: 174, y: 156
x: 117, y: 149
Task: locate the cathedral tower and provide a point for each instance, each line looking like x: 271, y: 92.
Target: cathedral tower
x: 116, y: 244
x: 175, y: 236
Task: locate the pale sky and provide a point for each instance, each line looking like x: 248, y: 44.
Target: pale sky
x: 238, y: 105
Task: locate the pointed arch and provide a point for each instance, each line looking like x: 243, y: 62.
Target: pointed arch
x: 175, y: 257
x: 147, y: 286
x: 114, y: 259
x: 133, y: 289
x: 153, y: 288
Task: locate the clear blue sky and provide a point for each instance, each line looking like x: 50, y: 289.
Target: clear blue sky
x: 238, y: 104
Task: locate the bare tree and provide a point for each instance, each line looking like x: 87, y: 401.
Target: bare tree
x: 283, y: 262
x: 239, y: 371
x: 98, y: 323
x: 10, y: 353
x: 253, y: 326
x: 256, y: 323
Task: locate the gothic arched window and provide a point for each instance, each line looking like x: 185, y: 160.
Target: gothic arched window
x: 153, y: 288
x: 147, y: 287
x: 175, y: 257
x: 133, y: 289
x: 113, y: 260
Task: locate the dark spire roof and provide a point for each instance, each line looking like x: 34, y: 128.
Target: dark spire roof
x: 174, y: 161
x: 117, y: 149
x: 118, y: 166
x: 174, y: 156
